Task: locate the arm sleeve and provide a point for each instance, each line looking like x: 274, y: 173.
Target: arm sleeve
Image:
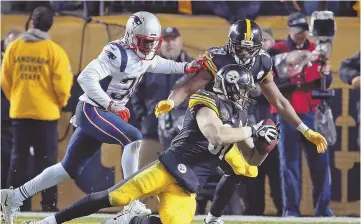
x: 6, y: 74
x: 98, y: 69
x: 350, y: 68
x: 62, y: 78
x: 165, y: 66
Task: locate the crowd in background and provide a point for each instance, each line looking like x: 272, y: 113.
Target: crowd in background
x: 281, y: 166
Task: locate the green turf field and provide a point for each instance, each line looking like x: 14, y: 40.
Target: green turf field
x: 97, y: 220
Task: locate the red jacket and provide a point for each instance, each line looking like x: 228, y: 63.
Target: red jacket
x: 301, y: 101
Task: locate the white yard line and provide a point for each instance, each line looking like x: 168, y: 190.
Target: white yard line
x: 233, y: 218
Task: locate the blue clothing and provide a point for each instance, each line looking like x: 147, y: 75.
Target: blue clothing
x: 95, y: 127
x: 290, y: 151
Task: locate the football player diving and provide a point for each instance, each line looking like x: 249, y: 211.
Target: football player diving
x: 212, y: 132
x: 244, y: 48
x: 101, y: 116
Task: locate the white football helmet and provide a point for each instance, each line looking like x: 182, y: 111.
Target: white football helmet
x: 143, y: 34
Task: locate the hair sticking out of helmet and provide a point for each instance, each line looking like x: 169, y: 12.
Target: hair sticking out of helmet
x: 143, y: 35
x: 245, y: 41
x: 235, y: 82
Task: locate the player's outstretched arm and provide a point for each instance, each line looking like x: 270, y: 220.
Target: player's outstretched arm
x: 214, y: 130
x: 181, y: 93
x: 285, y: 109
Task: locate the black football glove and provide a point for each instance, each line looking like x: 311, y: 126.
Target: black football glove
x: 266, y: 132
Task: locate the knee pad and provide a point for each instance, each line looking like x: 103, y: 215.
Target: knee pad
x: 119, y: 198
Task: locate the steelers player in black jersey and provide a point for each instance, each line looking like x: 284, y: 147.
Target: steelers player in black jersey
x: 213, y: 130
x: 244, y: 48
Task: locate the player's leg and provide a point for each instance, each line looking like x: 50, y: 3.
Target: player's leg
x: 224, y: 191
x: 290, y: 152
x: 176, y: 206
x: 144, y: 183
x: 110, y: 128
x: 319, y: 165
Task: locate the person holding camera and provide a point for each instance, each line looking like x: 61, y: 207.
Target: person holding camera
x: 297, y: 89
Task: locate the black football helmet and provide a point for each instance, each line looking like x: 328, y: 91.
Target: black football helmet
x: 235, y: 82
x: 244, y: 41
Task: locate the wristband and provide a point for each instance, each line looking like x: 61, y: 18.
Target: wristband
x: 247, y: 131
x: 171, y: 102
x: 302, y: 128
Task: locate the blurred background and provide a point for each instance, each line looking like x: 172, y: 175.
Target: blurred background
x: 83, y: 28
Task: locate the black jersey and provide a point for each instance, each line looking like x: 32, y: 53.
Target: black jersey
x: 218, y: 57
x: 190, y: 149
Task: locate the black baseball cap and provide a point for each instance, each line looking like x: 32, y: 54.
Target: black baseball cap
x: 170, y: 32
x: 297, y: 22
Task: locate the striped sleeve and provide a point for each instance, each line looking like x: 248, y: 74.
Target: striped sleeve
x: 212, y: 68
x: 200, y: 100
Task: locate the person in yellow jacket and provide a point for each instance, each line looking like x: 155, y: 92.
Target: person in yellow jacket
x: 36, y: 78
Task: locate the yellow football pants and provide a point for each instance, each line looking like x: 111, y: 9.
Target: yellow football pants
x: 176, y: 206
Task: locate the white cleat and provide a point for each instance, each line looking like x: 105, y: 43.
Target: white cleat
x: 121, y: 219
x: 47, y: 220
x: 135, y: 207
x: 218, y: 221
x: 9, y: 206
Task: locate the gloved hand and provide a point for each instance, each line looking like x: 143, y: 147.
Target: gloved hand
x: 195, y: 65
x: 266, y: 132
x: 317, y: 139
x: 119, y: 110
x: 163, y: 107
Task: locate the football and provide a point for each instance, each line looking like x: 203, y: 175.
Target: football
x: 262, y: 146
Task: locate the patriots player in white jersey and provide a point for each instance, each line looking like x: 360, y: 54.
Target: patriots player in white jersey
x: 101, y: 116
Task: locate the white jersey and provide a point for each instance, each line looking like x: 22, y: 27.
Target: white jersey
x: 115, y: 73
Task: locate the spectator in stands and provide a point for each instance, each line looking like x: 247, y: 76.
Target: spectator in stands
x: 298, y: 91
x: 36, y: 79
x: 350, y: 71
x: 350, y: 74
x: 6, y: 131
x: 255, y: 187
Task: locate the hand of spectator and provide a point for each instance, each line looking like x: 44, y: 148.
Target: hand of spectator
x: 356, y: 83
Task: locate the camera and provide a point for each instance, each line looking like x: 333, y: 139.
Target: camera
x: 322, y: 29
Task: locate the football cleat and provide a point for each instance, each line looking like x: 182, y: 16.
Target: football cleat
x: 9, y: 206
x: 219, y: 221
x: 121, y: 219
x: 135, y: 207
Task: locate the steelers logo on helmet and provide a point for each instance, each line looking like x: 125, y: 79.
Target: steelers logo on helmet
x: 235, y: 81
x: 232, y: 76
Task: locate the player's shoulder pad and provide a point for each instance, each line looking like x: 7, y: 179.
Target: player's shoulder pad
x: 214, y: 56
x: 267, y: 65
x: 115, y: 53
x: 203, y: 98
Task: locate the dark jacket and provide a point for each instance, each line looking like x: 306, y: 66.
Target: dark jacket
x: 5, y: 104
x: 350, y: 68
x: 152, y: 89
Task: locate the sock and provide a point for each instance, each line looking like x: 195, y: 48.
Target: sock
x: 210, y: 217
x: 51, y: 176
x: 224, y: 191
x: 130, y: 158
x: 86, y: 206
x: 145, y: 220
